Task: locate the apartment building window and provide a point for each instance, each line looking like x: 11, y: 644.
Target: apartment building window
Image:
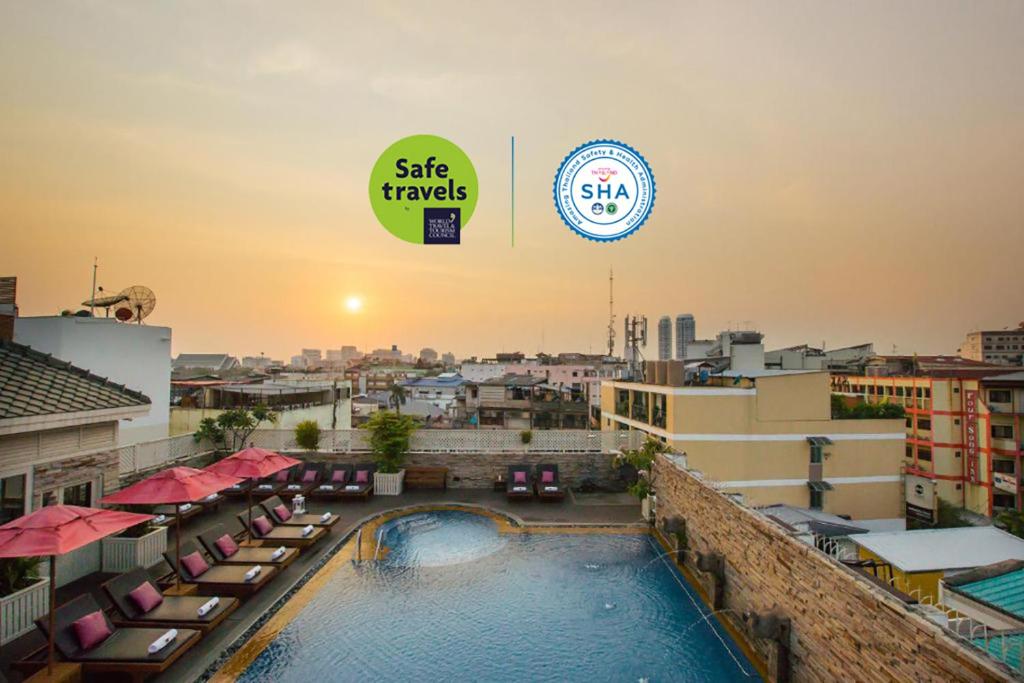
x: 816, y: 500
x: 12, y: 498
x: 910, y: 452
x: 1003, y: 466
x: 818, y: 444
x: 910, y: 422
x: 1004, y: 500
x: 1002, y: 431
x: 924, y: 453
x: 80, y: 494
x: 924, y: 424
x: 1000, y: 396
x: 816, y: 492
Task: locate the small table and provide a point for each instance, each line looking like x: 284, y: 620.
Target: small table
x: 63, y: 672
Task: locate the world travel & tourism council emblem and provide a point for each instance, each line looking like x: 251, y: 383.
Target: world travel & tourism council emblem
x: 423, y: 189
x: 604, y: 190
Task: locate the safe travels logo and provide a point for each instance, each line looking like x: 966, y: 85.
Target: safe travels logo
x: 423, y: 189
x: 604, y: 190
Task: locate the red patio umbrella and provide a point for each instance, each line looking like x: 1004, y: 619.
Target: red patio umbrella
x: 174, y: 485
x: 253, y: 463
x: 57, y: 530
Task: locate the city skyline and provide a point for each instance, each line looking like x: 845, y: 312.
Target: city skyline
x: 822, y: 171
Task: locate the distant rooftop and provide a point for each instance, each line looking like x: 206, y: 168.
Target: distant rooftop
x: 1000, y: 585
x: 444, y: 380
x: 208, y: 361
x: 930, y: 550
x: 511, y: 380
x: 34, y: 383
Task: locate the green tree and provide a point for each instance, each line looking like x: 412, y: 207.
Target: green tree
x: 1012, y: 521
x: 232, y: 428
x: 307, y: 435
x: 643, y: 460
x: 865, y: 411
x: 17, y: 573
x: 396, y: 399
x: 389, y: 439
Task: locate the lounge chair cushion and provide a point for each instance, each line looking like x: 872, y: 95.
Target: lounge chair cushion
x: 519, y: 477
x: 309, y: 476
x: 282, y: 475
x: 547, y: 477
x: 262, y: 525
x: 226, y: 545
x: 339, y: 476
x: 194, y: 564
x: 146, y: 597
x: 362, y: 476
x: 91, y: 630
x: 282, y: 512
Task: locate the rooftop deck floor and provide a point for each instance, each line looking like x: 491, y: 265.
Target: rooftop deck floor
x: 597, y: 509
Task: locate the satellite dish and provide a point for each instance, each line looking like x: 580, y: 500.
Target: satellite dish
x: 138, y: 303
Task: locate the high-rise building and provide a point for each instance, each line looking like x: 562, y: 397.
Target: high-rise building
x: 1005, y: 347
x: 686, y: 332
x: 665, y: 338
x: 311, y: 358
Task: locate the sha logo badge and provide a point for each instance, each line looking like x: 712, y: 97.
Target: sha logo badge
x: 604, y: 190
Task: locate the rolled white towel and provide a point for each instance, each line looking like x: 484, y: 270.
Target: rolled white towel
x: 277, y: 553
x: 550, y: 488
x: 265, y: 486
x: 208, y: 606
x: 352, y: 487
x: 212, y: 496
x: 186, y: 507
x: 253, y: 573
x: 324, y: 487
x: 159, y: 519
x: 518, y: 488
x: 326, y: 517
x: 307, y: 530
x: 163, y: 641
x: 294, y: 487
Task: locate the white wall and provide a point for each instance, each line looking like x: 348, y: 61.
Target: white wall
x: 138, y: 356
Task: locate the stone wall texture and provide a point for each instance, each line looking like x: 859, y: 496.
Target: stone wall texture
x: 843, y: 627
x: 71, y: 471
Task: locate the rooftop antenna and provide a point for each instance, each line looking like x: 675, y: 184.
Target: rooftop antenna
x: 92, y: 299
x: 138, y: 302
x: 611, y: 312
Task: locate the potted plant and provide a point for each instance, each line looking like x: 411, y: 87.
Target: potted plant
x: 24, y: 596
x: 642, y: 460
x: 389, y: 441
x: 139, y: 546
x: 526, y: 436
x: 307, y: 435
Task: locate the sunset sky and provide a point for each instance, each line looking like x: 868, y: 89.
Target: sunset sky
x: 840, y: 172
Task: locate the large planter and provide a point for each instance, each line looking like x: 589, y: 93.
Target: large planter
x: 19, y: 610
x: 388, y: 484
x: 122, y: 553
x: 648, y: 507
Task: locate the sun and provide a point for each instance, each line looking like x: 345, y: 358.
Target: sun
x: 354, y: 304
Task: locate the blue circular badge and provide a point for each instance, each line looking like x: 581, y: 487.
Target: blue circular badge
x: 604, y: 190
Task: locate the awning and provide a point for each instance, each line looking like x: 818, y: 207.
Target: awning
x: 819, y: 441
x: 819, y: 486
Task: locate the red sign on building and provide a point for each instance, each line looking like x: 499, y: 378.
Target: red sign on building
x: 971, y: 434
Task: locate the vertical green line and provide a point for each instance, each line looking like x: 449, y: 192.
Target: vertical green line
x: 513, y: 190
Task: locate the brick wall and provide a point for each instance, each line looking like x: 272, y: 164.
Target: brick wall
x: 843, y: 627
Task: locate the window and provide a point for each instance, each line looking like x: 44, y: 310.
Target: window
x: 816, y: 455
x: 924, y: 424
x: 816, y: 500
x: 1003, y: 466
x: 12, y: 498
x: 924, y: 453
x: 910, y: 452
x: 80, y: 494
x: 1002, y: 431
x: 1004, y: 500
x: 1000, y: 396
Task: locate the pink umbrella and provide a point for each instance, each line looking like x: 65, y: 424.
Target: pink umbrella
x: 253, y: 463
x: 57, y: 530
x: 174, y: 485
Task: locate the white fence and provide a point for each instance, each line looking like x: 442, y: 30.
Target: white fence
x: 152, y: 454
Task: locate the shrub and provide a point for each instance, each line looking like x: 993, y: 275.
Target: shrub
x: 17, y: 573
x: 307, y: 435
x: 389, y: 439
x: 526, y: 436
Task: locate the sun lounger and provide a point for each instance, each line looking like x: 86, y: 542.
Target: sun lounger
x: 361, y: 485
x: 124, y: 651
x: 239, y: 490
x: 130, y: 592
x: 518, y: 485
x: 302, y: 481
x: 243, y: 555
x: 333, y: 482
x: 218, y: 579
x: 549, y: 488
x: 274, y: 536
x: 272, y: 485
x: 281, y: 514
x: 166, y: 513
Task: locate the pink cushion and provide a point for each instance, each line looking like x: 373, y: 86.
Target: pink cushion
x: 362, y: 476
x: 91, y: 630
x: 519, y: 477
x: 547, y: 477
x: 282, y: 475
x: 226, y: 545
x: 309, y: 476
x: 146, y: 597
x: 339, y: 476
x: 262, y: 525
x: 283, y: 513
x: 194, y: 564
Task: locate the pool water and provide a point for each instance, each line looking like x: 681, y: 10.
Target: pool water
x: 454, y: 600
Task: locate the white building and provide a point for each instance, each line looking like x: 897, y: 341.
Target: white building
x: 665, y: 338
x: 137, y: 356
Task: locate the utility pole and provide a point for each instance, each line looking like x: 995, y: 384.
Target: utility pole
x: 611, y: 312
x: 92, y: 299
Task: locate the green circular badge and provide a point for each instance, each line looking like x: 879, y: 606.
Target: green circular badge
x: 423, y: 189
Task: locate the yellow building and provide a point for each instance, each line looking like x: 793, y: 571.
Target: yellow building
x: 963, y: 431
x: 769, y: 437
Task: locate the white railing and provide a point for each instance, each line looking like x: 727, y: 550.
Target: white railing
x: 149, y: 455
x: 464, y: 441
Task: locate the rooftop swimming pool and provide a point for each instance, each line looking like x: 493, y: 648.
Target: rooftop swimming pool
x: 454, y: 599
